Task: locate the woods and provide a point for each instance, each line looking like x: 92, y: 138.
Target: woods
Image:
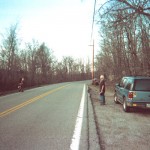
x: 36, y: 63
x: 125, y: 30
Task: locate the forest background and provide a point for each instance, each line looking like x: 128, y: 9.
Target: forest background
x: 124, y: 28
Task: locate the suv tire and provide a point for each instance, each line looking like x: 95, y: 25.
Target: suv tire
x: 125, y: 107
x: 116, y: 98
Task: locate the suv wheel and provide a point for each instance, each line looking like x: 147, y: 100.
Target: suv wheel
x: 115, y: 98
x: 125, y: 107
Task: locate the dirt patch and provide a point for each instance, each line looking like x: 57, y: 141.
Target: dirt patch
x: 119, y: 130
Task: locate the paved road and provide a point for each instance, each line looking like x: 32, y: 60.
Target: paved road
x: 43, y: 118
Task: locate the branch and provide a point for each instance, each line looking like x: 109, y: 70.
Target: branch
x: 138, y: 9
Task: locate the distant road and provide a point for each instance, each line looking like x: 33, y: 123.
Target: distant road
x: 42, y: 118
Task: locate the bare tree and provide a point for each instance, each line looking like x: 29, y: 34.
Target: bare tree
x: 31, y: 49
x: 9, y: 57
x: 125, y: 29
x: 43, y: 62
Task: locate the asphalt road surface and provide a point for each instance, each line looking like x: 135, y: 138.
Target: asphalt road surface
x: 45, y: 118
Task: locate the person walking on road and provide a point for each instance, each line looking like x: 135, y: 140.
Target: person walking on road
x: 102, y: 89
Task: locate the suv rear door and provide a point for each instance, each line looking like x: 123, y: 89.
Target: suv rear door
x: 142, y: 88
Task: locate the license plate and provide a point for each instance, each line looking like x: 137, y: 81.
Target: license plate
x: 148, y: 105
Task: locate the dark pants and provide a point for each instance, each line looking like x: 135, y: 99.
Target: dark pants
x: 102, y: 99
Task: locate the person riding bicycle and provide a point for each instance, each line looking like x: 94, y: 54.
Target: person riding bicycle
x: 21, y: 84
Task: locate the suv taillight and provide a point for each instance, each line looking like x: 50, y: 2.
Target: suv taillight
x: 130, y: 95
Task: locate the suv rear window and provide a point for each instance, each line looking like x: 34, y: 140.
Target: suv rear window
x: 142, y: 85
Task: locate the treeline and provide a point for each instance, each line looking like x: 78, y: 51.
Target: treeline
x: 124, y: 50
x: 36, y: 63
x: 125, y: 31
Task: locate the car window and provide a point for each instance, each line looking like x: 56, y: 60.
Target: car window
x: 142, y: 85
x: 128, y: 86
x: 123, y: 81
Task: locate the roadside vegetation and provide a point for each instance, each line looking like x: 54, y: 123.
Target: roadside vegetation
x: 36, y: 63
x: 125, y: 45
x: 124, y: 50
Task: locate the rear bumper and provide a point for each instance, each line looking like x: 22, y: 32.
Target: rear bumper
x: 138, y: 104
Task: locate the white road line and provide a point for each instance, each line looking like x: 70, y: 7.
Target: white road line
x: 77, y: 131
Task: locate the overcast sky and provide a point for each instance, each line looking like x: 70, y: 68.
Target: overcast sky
x: 64, y: 25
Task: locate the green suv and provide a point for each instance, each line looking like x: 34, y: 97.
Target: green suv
x: 133, y: 91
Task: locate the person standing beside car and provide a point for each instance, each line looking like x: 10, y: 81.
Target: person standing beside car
x: 102, y: 89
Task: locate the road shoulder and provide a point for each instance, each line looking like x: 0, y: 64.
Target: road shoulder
x: 117, y: 129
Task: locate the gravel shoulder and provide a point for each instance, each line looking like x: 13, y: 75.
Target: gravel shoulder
x: 119, y: 130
